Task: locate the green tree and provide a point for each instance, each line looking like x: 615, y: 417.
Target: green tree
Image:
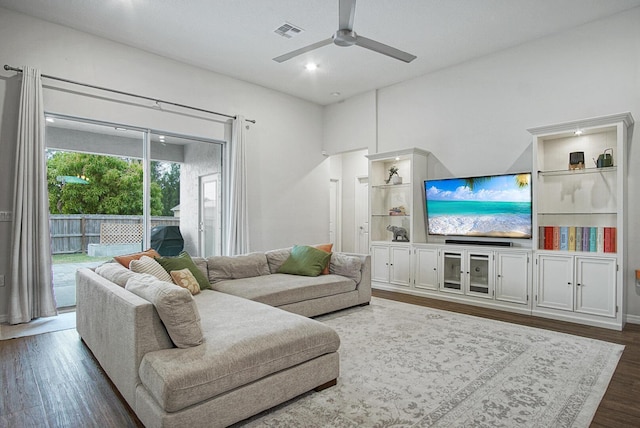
x: 167, y: 175
x: 114, y: 185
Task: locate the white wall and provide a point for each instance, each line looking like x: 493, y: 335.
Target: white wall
x: 474, y: 117
x: 347, y: 167
x: 284, y: 147
x: 350, y: 124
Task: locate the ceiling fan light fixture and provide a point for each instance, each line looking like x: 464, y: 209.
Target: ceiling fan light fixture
x: 345, y: 38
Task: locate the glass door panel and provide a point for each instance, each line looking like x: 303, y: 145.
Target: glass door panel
x: 479, y: 274
x: 96, y: 205
x: 452, y: 263
x: 210, y: 230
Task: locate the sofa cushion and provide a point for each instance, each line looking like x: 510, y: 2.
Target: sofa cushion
x: 282, y: 289
x: 185, y: 279
x: 232, y: 267
x: 201, y: 263
x: 275, y: 258
x: 148, y: 265
x: 184, y: 261
x: 175, y: 306
x: 115, y: 273
x: 244, y: 341
x: 346, y: 265
x: 305, y: 260
x: 125, y: 260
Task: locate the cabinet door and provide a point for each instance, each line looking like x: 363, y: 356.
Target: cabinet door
x: 512, y: 279
x: 400, y: 265
x: 596, y: 286
x: 479, y: 273
x: 380, y: 263
x: 426, y: 268
x: 451, y: 272
x: 555, y: 282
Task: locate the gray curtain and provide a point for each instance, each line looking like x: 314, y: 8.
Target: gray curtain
x: 237, y: 241
x: 31, y: 286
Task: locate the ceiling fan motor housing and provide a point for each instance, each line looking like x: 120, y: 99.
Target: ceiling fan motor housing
x: 345, y: 38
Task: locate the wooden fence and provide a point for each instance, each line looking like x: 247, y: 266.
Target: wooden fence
x: 72, y: 233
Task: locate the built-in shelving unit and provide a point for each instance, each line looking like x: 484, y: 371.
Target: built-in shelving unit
x: 573, y: 283
x: 579, y: 221
x: 397, y: 201
x: 396, y: 213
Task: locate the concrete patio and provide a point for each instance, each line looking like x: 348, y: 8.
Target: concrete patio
x: 64, y: 281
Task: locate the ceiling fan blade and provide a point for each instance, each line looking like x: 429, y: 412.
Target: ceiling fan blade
x: 384, y: 49
x: 346, y: 13
x: 287, y: 56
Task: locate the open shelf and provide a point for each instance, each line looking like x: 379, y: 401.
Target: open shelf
x: 558, y: 172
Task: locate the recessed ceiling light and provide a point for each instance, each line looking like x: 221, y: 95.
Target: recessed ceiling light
x: 335, y: 94
x: 578, y: 132
x: 50, y: 120
x: 311, y: 66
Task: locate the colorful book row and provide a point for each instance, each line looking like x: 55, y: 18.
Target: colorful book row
x: 578, y: 238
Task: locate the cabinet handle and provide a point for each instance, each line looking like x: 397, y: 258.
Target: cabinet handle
x: 499, y: 276
x: 578, y: 285
x: 568, y: 283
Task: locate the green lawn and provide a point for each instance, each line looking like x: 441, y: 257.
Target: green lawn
x: 77, y: 258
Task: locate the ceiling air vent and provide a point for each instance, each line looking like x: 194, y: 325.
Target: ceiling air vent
x: 288, y: 30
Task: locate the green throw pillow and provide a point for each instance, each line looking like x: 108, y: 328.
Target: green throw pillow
x: 305, y: 260
x: 182, y: 261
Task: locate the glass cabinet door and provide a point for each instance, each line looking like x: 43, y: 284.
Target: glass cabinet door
x: 479, y: 274
x: 452, y: 271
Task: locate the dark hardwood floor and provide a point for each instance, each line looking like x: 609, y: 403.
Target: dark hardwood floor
x: 52, y: 380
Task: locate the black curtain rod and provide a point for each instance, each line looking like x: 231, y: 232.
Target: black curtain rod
x: 156, y: 100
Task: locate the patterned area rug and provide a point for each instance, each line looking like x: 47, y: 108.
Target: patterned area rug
x: 408, y: 366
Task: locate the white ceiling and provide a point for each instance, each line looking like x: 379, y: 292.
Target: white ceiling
x: 236, y: 37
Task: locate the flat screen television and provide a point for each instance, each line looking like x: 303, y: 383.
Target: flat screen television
x: 497, y: 206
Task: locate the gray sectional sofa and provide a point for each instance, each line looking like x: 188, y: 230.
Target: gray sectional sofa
x: 258, y: 347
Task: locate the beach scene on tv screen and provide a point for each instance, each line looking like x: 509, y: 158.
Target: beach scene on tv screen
x: 491, y: 206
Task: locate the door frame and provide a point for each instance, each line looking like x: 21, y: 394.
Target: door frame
x: 335, y: 205
x: 359, y: 181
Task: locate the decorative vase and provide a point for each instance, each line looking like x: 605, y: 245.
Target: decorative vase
x: 396, y: 179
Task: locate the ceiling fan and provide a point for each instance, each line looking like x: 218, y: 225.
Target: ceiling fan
x: 345, y: 36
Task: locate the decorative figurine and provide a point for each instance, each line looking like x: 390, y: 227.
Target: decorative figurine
x: 393, y: 174
x: 400, y: 234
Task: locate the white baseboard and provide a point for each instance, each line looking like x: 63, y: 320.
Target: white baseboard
x: 633, y: 319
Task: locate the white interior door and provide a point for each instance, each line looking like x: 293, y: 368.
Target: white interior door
x: 210, y: 224
x: 362, y: 215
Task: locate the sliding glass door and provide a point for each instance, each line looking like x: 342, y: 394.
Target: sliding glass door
x: 115, y: 190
